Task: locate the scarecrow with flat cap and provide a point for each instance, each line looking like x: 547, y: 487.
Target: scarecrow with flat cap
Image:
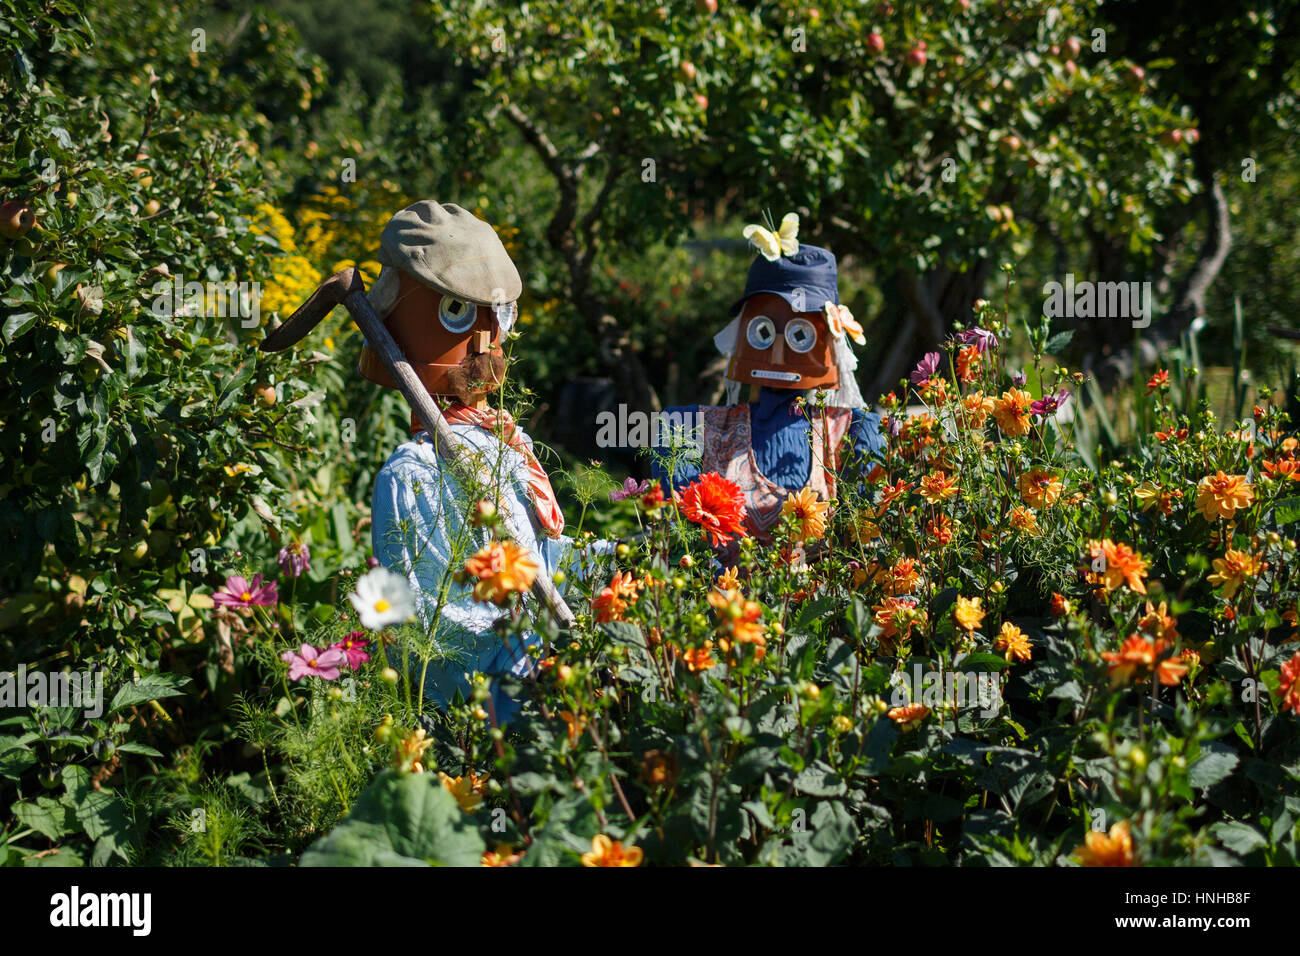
x: 447, y: 295
x: 789, y: 336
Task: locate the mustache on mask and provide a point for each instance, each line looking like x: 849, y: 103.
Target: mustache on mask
x: 478, y: 373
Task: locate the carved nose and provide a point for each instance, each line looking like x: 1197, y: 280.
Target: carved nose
x: 778, y: 351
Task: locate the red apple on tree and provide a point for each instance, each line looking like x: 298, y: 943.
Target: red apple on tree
x: 1191, y: 136
x: 709, y: 7
x: 16, y: 219
x: 1072, y: 48
x: 1010, y: 144
x: 1171, y: 137
x: 1136, y: 77
x: 916, y: 55
x: 701, y: 101
x: 687, y: 70
x: 875, y: 43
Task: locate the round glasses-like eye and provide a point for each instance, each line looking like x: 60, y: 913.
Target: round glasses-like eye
x: 800, y: 335
x: 456, y: 315
x: 761, y: 332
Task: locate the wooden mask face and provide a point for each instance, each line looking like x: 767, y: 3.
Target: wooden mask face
x: 780, y: 348
x: 453, y: 345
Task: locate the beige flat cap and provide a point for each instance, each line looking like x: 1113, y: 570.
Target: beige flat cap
x: 450, y: 249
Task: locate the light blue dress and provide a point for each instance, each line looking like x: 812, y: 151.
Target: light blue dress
x: 421, y: 530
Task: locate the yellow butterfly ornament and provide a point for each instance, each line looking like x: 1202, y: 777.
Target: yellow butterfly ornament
x: 772, y: 245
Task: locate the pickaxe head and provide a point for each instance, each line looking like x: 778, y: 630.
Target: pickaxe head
x: 307, y: 316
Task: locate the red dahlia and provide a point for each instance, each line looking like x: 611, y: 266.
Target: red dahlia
x: 716, y: 505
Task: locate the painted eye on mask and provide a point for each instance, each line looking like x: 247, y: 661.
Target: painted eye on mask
x: 456, y: 315
x: 761, y: 332
x: 800, y: 335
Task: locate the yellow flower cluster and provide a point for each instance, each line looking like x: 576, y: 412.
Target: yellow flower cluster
x: 328, y: 224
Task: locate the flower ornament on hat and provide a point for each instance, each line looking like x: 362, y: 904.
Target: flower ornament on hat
x: 841, y: 322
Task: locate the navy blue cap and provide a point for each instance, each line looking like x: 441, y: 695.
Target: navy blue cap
x: 811, y: 270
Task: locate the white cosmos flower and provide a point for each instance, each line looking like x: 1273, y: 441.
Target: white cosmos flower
x: 383, y: 597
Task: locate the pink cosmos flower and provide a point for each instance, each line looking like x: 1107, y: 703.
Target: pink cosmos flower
x: 309, y: 662
x: 925, y: 368
x: 1049, y: 404
x: 630, y: 489
x: 294, y: 559
x: 353, y: 649
x: 240, y: 592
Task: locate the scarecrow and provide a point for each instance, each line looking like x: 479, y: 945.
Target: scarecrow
x: 788, y: 337
x: 434, y: 321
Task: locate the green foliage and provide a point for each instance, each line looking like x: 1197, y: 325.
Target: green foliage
x: 401, y: 820
x: 149, y: 453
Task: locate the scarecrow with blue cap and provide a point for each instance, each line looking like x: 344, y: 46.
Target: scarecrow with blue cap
x: 789, y: 336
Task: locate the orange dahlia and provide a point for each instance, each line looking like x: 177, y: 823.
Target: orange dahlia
x: 614, y: 600
x: 809, y: 514
x: 969, y: 613
x: 1012, y: 411
x: 940, y: 530
x: 699, y: 658
x: 896, y: 617
x: 1159, y: 622
x: 1102, y: 849
x: 1023, y: 519
x: 1122, y: 565
x: 1137, y: 657
x: 1039, y: 488
x: 1220, y: 495
x: 1232, y: 570
x: 1013, y: 643
x: 729, y: 580
x: 607, y: 852
x: 1288, y: 687
x: 502, y: 568
x: 716, y: 505
x: 903, y: 578
x: 908, y: 716
x: 503, y: 855
x: 739, y: 622
x: 938, y: 486
x: 974, y: 410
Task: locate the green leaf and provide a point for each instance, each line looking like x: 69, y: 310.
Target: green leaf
x: 1240, y: 838
x: 1287, y: 511
x: 46, y: 816
x: 401, y: 820
x: 1215, y: 764
x: 17, y: 324
x: 147, y: 688
x: 1058, y: 342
